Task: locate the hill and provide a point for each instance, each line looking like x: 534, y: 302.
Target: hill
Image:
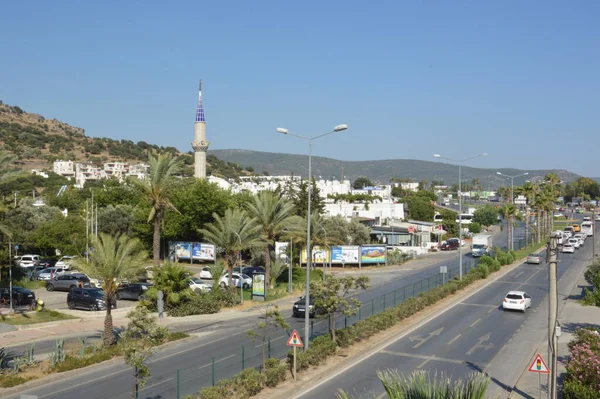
x: 38, y: 142
x: 379, y: 171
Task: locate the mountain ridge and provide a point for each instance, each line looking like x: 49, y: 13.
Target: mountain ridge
x: 379, y: 171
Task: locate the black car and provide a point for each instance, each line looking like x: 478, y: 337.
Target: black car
x: 20, y: 296
x: 46, y: 263
x: 300, y: 307
x: 132, y: 291
x: 87, y: 298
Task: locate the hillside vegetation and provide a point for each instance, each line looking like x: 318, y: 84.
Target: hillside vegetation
x: 38, y: 142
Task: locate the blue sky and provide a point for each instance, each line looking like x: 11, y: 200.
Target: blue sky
x: 519, y: 80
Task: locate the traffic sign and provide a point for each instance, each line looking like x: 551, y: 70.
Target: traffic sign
x: 539, y: 366
x: 295, y: 340
x: 411, y: 229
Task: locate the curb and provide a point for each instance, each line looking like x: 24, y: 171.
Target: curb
x: 51, y: 377
x: 21, y: 327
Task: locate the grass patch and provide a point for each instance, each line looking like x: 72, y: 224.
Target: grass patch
x: 176, y: 336
x: 43, y: 316
x: 530, y: 249
x: 32, y: 285
x: 73, y: 361
x: 12, y: 380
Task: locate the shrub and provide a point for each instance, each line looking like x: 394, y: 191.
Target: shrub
x: 592, y: 273
x: 591, y: 297
x: 249, y: 380
x: 589, y: 336
x: 576, y: 390
x: 320, y: 349
x: 584, y: 366
x: 485, y: 260
x: 199, y: 304
x: 275, y: 372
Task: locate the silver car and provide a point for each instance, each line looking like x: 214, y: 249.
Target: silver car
x: 67, y: 282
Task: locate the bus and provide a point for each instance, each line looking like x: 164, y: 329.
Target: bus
x: 438, y: 218
x: 466, y: 218
x: 587, y: 228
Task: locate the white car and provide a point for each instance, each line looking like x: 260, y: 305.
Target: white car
x: 587, y: 219
x: 28, y: 260
x: 575, y: 242
x: 559, y: 215
x: 581, y: 237
x: 245, y: 281
x: 598, y: 218
x: 516, y: 300
x: 205, y: 273
x: 65, y: 262
x: 568, y: 249
x: 197, y: 284
x: 49, y: 273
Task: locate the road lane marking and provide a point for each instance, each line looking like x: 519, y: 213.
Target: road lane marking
x: 478, y: 304
x: 454, y: 339
x: 216, y: 361
x: 520, y: 284
x: 424, y: 357
x: 420, y: 366
x: 492, y: 309
x: 475, y: 322
x: 480, y: 344
x: 156, y: 384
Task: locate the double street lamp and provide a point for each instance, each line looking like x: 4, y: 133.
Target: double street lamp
x: 281, y: 130
x: 460, y: 162
x: 512, y: 201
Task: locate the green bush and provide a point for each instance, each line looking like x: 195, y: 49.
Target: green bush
x: 592, y: 273
x: 199, y: 304
x: 249, y: 380
x: 484, y: 271
x: 587, y: 335
x: 275, y: 372
x: 576, y: 390
x: 320, y: 349
x: 485, y: 260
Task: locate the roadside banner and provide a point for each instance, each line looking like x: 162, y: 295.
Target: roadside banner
x: 345, y: 254
x: 259, y: 288
x: 373, y: 254
x: 320, y: 255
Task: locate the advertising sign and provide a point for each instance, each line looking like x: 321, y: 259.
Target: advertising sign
x: 202, y: 251
x: 258, y: 286
x: 372, y: 254
x: 345, y: 254
x: 319, y: 255
x: 183, y: 250
x: 281, y: 249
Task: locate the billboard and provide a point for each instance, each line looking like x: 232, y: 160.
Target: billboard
x: 345, y: 254
x: 183, y: 250
x: 258, y: 286
x: 319, y: 255
x: 281, y: 249
x: 372, y: 254
x: 202, y: 251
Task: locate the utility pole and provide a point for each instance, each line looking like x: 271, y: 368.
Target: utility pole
x: 594, y: 235
x: 552, y: 314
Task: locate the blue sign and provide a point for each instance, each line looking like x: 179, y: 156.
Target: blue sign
x: 16, y: 247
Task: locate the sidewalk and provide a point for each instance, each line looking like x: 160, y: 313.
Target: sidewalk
x: 93, y: 322
x: 571, y: 317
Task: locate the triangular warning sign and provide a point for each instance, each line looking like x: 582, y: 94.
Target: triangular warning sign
x: 295, y: 339
x: 539, y: 366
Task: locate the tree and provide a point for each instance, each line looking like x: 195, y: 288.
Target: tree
x: 475, y: 228
x: 115, y: 258
x: 172, y: 280
x: 8, y: 173
x: 117, y: 219
x: 272, y: 212
x: 486, y: 215
x: 66, y: 234
x: 361, y: 182
x: 158, y: 190
x: 277, y: 268
x: 196, y: 200
x: 271, y: 319
x: 232, y: 233
x: 141, y: 335
x: 419, y: 207
x: 332, y: 297
x: 358, y: 233
x: 299, y: 197
x: 510, y: 213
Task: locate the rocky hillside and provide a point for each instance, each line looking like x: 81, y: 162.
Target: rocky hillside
x: 38, y: 142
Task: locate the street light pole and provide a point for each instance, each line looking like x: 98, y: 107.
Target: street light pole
x: 281, y: 130
x: 512, y: 197
x: 460, y: 162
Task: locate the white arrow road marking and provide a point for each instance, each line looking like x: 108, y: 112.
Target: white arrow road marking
x: 423, y: 340
x: 479, y: 344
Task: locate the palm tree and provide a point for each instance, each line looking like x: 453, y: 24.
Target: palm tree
x: 114, y: 258
x: 172, y: 280
x: 232, y: 233
x: 273, y: 214
x: 529, y: 190
x: 157, y: 189
x: 510, y: 213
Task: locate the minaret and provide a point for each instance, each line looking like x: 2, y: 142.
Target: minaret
x: 200, y: 145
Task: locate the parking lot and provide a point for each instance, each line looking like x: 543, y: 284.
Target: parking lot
x: 57, y: 300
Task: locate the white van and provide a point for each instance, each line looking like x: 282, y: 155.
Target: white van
x: 65, y: 262
x: 560, y: 237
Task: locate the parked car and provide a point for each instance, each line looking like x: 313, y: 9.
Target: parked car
x: 67, y: 282
x: 132, y: 291
x: 253, y: 269
x: 239, y: 280
x: 87, y: 298
x: 65, y: 262
x: 205, y: 273
x: 46, y: 262
x: 28, y: 260
x: 33, y: 272
x: 49, y: 273
x: 450, y: 244
x: 568, y: 248
x: 516, y: 300
x: 197, y: 284
x: 20, y: 296
x: 534, y: 259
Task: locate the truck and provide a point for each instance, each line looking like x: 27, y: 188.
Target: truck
x: 481, y: 245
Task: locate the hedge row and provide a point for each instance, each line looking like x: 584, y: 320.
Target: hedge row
x: 250, y: 381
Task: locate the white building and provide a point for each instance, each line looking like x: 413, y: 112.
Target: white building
x: 385, y: 192
x: 64, y: 168
x: 88, y: 171
x: 380, y: 213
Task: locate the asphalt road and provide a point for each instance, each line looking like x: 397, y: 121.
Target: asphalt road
x: 445, y: 346
x: 194, y: 358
